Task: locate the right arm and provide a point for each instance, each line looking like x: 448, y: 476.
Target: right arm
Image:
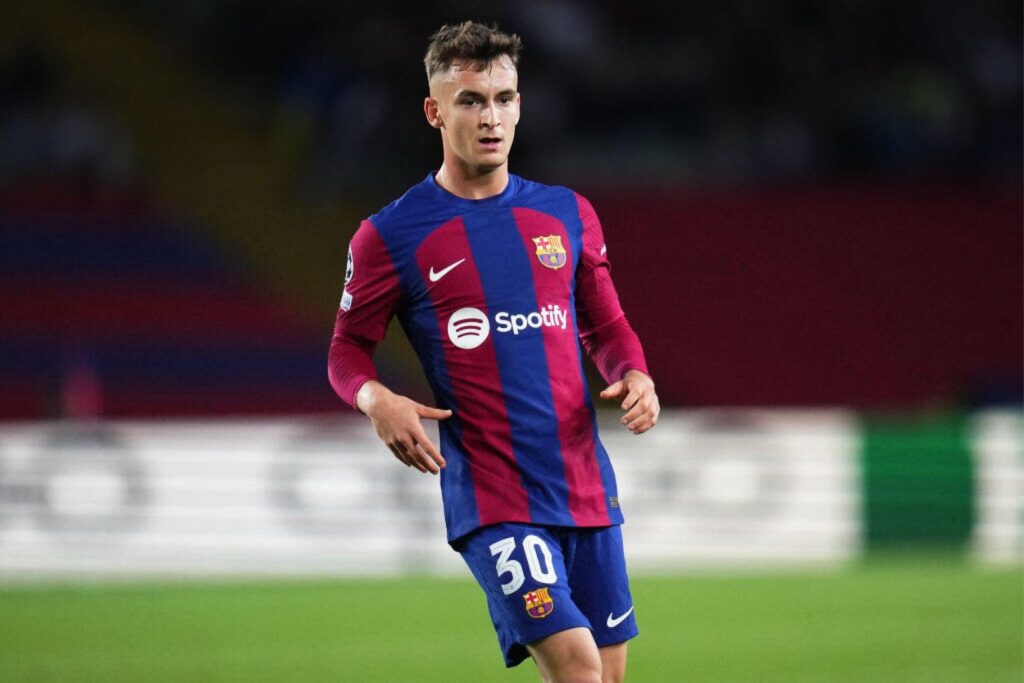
x: 368, y: 303
x: 606, y: 334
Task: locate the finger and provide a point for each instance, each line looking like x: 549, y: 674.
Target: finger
x: 644, y: 422
x: 642, y: 427
x: 632, y: 398
x: 640, y: 424
x: 412, y: 454
x: 635, y: 411
x: 424, y: 461
x: 612, y: 390
x: 640, y: 412
x: 398, y: 454
x: 432, y: 413
x: 436, y: 460
x: 403, y: 454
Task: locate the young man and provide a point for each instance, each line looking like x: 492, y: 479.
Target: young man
x: 496, y: 281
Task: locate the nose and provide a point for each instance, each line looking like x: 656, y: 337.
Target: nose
x: 489, y: 116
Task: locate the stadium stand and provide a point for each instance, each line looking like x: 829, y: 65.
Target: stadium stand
x: 167, y: 323
x: 177, y: 250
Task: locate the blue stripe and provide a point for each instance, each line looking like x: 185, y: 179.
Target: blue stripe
x: 420, y: 324
x: 461, y: 513
x: 574, y: 226
x: 172, y: 365
x: 77, y: 248
x: 501, y: 259
x: 603, y: 461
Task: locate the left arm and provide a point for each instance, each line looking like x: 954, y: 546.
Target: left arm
x: 605, y: 333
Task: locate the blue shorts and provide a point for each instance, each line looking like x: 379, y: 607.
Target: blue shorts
x: 542, y: 580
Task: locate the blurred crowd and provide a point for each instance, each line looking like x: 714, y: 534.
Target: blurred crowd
x: 49, y: 132
x: 800, y: 95
x: 740, y: 91
x: 703, y: 91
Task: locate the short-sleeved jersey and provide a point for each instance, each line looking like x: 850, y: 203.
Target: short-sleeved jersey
x: 493, y: 295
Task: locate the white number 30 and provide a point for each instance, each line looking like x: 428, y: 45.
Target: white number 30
x: 534, y: 548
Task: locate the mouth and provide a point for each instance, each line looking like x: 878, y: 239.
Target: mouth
x: 491, y: 143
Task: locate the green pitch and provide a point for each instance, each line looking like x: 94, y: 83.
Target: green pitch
x: 927, y: 622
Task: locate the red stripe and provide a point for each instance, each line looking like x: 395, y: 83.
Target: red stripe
x: 142, y: 401
x: 371, y: 293
x: 170, y: 310
x: 475, y: 381
x: 587, y: 499
x: 120, y: 210
x: 374, y: 287
x: 24, y: 400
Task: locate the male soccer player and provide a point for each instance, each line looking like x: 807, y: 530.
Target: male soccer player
x: 496, y: 280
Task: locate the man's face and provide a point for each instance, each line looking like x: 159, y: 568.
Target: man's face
x: 477, y: 112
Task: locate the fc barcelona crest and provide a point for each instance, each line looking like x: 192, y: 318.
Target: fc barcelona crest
x: 550, y: 250
x: 538, y: 603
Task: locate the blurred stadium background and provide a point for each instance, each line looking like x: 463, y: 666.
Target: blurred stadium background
x: 822, y: 255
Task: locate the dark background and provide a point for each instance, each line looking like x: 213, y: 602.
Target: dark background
x: 806, y: 203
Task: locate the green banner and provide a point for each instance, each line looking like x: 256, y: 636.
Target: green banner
x: 918, y: 482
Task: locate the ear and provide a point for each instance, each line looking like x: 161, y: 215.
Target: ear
x: 432, y: 113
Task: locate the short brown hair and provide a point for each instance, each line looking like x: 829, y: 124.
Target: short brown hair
x: 471, y: 42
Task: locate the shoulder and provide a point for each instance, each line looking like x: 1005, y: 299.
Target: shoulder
x: 403, y: 224
x: 533, y: 192
x: 407, y: 208
x: 531, y: 188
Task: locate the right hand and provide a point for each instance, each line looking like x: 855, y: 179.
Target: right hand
x: 397, y: 421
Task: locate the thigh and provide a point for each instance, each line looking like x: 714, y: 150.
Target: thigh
x: 567, y: 655
x: 600, y: 585
x: 613, y: 662
x: 522, y: 569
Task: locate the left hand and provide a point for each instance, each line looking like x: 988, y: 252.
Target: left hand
x: 638, y: 400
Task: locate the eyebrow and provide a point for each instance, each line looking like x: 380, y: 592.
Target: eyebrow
x: 474, y: 93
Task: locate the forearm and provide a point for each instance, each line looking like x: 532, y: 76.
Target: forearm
x: 615, y: 350
x: 370, y: 394
x: 350, y: 367
x: 397, y: 422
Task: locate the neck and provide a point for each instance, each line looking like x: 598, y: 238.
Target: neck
x: 464, y: 183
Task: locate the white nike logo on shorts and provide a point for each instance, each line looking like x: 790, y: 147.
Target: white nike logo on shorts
x: 434, y: 277
x: 612, y: 623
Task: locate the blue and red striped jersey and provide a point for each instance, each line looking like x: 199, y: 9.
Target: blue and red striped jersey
x: 495, y: 296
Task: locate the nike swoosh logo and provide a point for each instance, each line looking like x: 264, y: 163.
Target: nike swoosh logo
x: 612, y: 623
x: 434, y: 277
x: 604, y: 250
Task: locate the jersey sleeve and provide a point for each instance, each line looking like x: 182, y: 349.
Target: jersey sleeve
x: 605, y: 332
x: 368, y: 303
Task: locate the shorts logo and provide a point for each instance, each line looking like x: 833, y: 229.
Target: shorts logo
x: 468, y: 328
x: 550, y: 251
x: 538, y: 603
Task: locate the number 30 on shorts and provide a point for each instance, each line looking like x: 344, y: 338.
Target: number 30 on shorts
x: 535, y: 549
